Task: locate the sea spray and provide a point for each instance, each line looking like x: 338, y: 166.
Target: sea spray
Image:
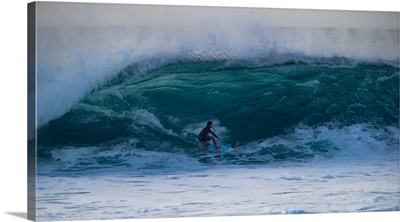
x: 83, y: 58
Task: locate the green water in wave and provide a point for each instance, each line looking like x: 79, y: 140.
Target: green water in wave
x: 251, y: 103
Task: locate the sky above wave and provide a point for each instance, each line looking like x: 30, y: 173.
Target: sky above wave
x: 134, y: 14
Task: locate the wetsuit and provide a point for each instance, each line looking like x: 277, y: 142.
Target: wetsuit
x: 204, y: 137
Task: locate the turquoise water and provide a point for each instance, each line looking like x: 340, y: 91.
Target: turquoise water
x: 250, y: 104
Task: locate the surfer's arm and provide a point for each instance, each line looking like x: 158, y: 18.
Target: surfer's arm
x: 214, y: 134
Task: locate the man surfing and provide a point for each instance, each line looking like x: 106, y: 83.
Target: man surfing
x: 204, y: 137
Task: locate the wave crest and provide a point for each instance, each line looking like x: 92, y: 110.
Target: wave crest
x: 82, y: 58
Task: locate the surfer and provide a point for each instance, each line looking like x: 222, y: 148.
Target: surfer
x: 204, y: 137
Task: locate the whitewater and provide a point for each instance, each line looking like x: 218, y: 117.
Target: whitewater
x: 311, y: 111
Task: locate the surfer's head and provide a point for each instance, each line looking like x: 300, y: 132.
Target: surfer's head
x: 209, y: 124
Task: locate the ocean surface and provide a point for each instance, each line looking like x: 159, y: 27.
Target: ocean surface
x: 320, y: 131
x: 315, y: 128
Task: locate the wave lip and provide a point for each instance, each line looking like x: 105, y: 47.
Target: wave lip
x: 83, y: 58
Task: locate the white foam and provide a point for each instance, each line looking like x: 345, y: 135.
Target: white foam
x: 311, y: 84
x: 218, y: 191
x: 72, y: 60
x: 146, y: 118
x: 357, y: 142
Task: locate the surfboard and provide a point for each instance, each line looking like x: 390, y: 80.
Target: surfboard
x: 224, y: 149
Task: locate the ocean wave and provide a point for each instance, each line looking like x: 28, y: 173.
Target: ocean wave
x: 83, y: 58
x: 276, y: 95
x: 301, y: 143
x: 289, y: 112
